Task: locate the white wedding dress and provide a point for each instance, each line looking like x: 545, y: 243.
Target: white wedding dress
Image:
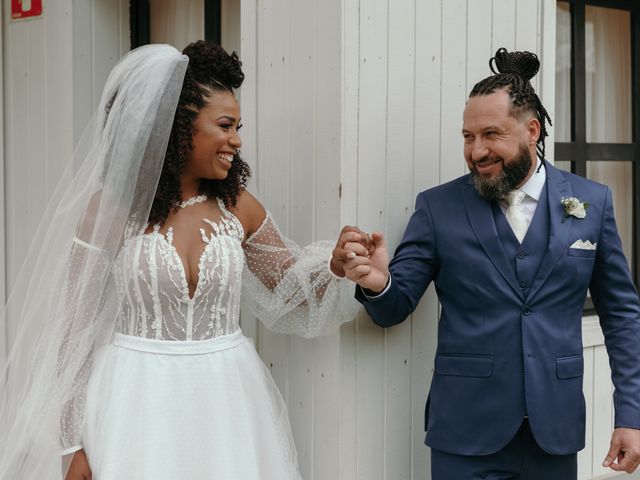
x: 180, y: 392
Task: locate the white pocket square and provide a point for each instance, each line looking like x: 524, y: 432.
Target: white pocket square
x: 582, y: 245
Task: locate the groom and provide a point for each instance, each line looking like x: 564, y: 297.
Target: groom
x: 512, y: 249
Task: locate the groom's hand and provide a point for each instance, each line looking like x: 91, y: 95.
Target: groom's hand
x: 625, y: 448
x: 351, y: 243
x: 370, y: 272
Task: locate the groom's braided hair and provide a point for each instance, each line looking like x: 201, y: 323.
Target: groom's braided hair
x: 211, y: 69
x: 513, y: 71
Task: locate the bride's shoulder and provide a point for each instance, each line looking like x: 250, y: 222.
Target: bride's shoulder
x: 249, y: 211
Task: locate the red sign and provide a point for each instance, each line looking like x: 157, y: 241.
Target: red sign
x: 25, y: 8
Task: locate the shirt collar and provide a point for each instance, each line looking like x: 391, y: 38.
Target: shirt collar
x: 533, y: 187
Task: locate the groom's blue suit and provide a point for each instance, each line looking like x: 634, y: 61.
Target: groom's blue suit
x: 509, y: 335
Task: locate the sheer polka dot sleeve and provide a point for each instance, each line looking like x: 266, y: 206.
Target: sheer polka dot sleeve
x: 291, y: 289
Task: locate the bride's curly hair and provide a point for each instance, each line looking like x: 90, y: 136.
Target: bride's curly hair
x: 210, y: 70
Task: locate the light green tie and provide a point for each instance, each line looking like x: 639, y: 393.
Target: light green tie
x: 515, y: 215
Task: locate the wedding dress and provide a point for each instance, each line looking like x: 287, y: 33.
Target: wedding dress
x: 180, y: 392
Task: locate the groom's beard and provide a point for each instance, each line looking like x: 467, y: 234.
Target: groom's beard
x: 511, y: 175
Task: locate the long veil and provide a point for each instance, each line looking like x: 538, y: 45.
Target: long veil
x: 64, y: 303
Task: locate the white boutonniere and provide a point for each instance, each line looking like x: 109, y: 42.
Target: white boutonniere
x: 574, y: 207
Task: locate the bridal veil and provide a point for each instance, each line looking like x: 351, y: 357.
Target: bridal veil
x: 63, y: 303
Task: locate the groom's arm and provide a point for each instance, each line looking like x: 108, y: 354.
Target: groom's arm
x: 616, y: 301
x: 413, y: 267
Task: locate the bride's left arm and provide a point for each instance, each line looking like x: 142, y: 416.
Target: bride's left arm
x: 290, y: 288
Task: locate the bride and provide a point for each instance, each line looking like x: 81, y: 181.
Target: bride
x: 129, y: 359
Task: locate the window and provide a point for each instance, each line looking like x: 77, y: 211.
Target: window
x: 597, y: 118
x: 176, y: 22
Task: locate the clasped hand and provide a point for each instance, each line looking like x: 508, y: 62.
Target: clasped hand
x: 362, y: 258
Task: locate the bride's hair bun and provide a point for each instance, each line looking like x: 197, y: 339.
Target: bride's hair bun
x: 523, y: 64
x: 210, y: 64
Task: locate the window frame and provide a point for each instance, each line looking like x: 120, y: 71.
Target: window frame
x: 578, y: 151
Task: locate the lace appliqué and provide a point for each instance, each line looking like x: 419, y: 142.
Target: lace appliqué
x: 287, y: 287
x: 157, y: 302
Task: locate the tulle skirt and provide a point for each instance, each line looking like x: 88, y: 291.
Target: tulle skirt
x: 200, y: 410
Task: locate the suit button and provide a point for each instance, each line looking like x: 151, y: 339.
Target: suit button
x: 523, y: 284
x: 521, y: 255
x: 526, y: 310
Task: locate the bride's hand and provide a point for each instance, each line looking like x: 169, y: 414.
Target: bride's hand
x: 79, y: 467
x: 352, y: 242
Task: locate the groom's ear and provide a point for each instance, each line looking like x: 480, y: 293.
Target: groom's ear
x: 533, y: 127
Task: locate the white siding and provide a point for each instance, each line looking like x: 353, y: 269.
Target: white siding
x: 3, y: 346
x: 55, y: 67
x: 291, y: 113
x: 598, y: 392
x: 38, y: 125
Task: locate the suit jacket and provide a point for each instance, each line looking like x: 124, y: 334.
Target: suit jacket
x: 505, y: 351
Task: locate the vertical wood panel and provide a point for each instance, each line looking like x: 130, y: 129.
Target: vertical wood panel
x: 326, y: 392
x: 274, y: 139
x: 349, y: 153
x: 423, y: 351
x: 326, y: 397
x: 527, y: 37
x: 58, y: 119
x: 399, y: 205
x: 584, y: 456
x: 427, y: 98
x: 106, y: 43
x: 3, y: 231
x: 426, y: 174
x: 301, y: 118
x: 547, y: 42
x: 82, y: 67
x: 370, y: 347
x: 526, y: 26
x: 503, y: 26
x: 479, y: 42
x: 452, y: 89
x: 602, y: 409
x: 25, y: 73
x: 248, y: 97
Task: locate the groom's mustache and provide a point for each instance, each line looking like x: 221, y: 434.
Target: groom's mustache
x: 488, y: 161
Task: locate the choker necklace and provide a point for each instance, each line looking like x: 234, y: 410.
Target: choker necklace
x: 193, y: 201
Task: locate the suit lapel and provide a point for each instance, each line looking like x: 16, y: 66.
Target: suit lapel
x: 559, y: 227
x: 481, y: 218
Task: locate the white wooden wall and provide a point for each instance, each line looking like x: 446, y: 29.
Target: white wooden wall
x: 351, y: 107
x: 3, y: 346
x: 38, y: 127
x: 291, y: 112
x: 55, y: 67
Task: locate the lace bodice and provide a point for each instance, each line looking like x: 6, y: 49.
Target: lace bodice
x: 152, y: 282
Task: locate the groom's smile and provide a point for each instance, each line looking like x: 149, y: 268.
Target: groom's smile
x: 488, y: 167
